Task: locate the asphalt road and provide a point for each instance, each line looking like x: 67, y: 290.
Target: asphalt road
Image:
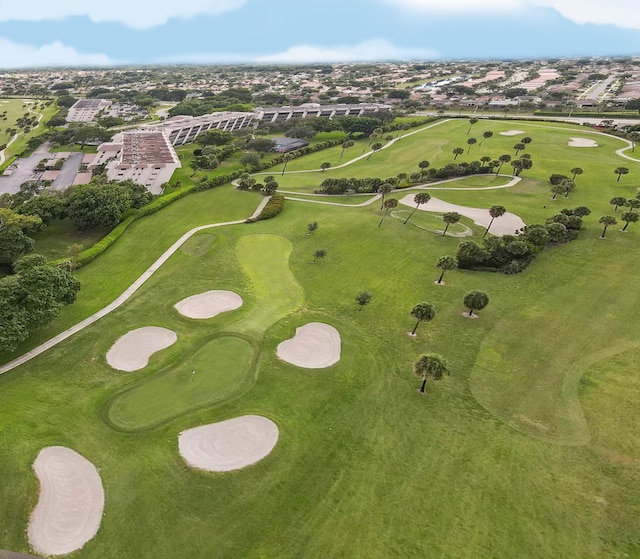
x: 68, y: 172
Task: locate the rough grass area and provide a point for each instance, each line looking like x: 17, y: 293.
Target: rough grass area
x: 529, y: 449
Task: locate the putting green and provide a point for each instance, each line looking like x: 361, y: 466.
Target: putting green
x: 220, y: 369
x: 276, y: 292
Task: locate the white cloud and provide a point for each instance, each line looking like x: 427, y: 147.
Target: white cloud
x: 16, y: 55
x: 367, y: 51
x: 141, y: 14
x: 622, y: 13
x: 377, y: 49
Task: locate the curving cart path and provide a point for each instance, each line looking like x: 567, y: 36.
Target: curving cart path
x: 128, y: 293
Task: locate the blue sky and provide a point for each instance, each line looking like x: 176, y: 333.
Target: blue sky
x: 85, y: 32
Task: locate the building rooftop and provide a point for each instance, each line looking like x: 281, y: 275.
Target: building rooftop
x: 146, y: 148
x: 89, y: 103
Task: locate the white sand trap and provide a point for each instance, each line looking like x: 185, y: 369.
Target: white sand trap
x: 228, y: 445
x: 69, y: 510
x: 133, y: 350
x: 507, y: 224
x: 315, y: 346
x: 582, y: 143
x: 209, y: 304
x: 512, y: 133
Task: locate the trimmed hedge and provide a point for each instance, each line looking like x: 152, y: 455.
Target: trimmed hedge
x: 273, y: 207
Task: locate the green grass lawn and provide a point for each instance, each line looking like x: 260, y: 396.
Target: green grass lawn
x: 529, y: 449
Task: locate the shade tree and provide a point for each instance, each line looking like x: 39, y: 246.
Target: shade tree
x: 430, y: 366
x: 422, y: 312
x: 629, y: 217
x: 446, y: 264
x: 475, y: 301
x: 606, y: 221
x: 363, y: 298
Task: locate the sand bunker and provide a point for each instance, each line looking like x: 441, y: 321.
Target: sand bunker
x: 507, y: 224
x: 133, y: 350
x: 512, y: 133
x: 69, y: 510
x: 315, y: 346
x: 228, y: 445
x: 582, y: 143
x: 209, y: 304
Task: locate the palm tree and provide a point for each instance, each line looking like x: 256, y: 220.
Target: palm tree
x: 456, y: 152
x: 621, y: 171
x: 576, y: 171
x: 384, y: 189
x: 629, y: 217
x: 402, y: 128
x: 446, y: 264
x: 372, y: 138
x: 494, y: 211
x: 424, y: 164
x: 618, y: 201
x: 348, y: 144
x: 503, y: 159
x: 519, y: 148
x: 526, y: 140
x: 485, y: 136
x: 319, y: 254
x: 472, y: 121
x: 311, y: 227
x: 389, y: 204
x: 557, y: 189
x: 485, y: 159
x: 375, y: 147
x: 475, y: 301
x: 470, y: 142
x: 286, y: 158
x: 363, y: 298
x: 568, y: 186
x: 419, y: 199
x: 430, y: 365
x: 606, y: 220
x: 422, y: 312
x: 325, y: 166
x: 518, y: 165
x: 450, y: 218
x: 633, y: 203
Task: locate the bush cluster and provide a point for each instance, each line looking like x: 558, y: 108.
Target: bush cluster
x: 273, y: 207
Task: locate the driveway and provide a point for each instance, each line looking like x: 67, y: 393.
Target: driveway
x: 68, y: 172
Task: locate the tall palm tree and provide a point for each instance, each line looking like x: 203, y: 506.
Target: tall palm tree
x: 422, y: 312
x: 519, y: 148
x: 372, y: 138
x: 472, y: 121
x: 450, y: 218
x: 430, y: 366
x: 526, y: 140
x: 456, y: 152
x: 503, y: 159
x: 618, y: 201
x: 375, y: 147
x: 494, y: 212
x: 446, y: 264
x: 568, y: 186
x: 470, y: 142
x: 485, y: 136
x: 633, y: 203
x: 363, y: 298
x: 629, y: 217
x: 576, y: 171
x: 557, y: 189
x: 475, y: 301
x: 518, y: 165
x: 389, y: 204
x: 326, y: 165
x: 286, y: 158
x: 621, y: 171
x: 348, y: 144
x: 419, y: 199
x: 606, y: 221
x: 384, y: 189
x: 485, y: 159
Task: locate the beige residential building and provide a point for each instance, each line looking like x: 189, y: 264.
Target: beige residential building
x: 146, y: 158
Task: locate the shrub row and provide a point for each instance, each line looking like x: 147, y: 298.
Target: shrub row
x: 273, y: 207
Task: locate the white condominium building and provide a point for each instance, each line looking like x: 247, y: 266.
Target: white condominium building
x: 85, y: 110
x: 315, y: 110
